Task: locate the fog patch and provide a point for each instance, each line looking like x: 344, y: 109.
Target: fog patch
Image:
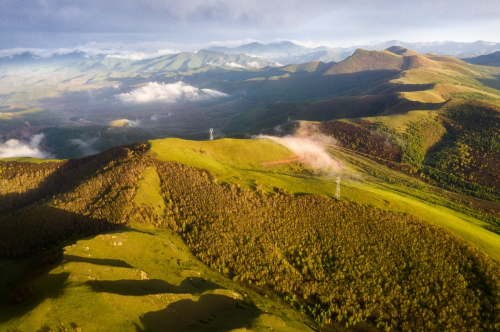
x: 85, y: 146
x: 254, y: 64
x: 16, y: 148
x: 233, y: 65
x: 168, y: 93
x: 157, y: 117
x: 136, y: 123
x: 311, y: 151
x: 136, y: 56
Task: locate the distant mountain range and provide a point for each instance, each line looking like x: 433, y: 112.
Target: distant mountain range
x: 80, y: 61
x: 253, y: 55
x: 286, y: 52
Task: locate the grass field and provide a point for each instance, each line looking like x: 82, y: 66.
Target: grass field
x: 30, y: 160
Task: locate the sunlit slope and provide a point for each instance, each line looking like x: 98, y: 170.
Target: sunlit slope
x: 141, y: 279
x: 408, y: 81
x: 239, y: 162
x: 231, y: 160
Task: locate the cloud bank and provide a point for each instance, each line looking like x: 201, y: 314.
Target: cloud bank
x: 168, y: 93
x: 16, y: 148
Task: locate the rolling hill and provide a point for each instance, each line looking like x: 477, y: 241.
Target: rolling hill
x: 370, y: 83
x: 184, y: 226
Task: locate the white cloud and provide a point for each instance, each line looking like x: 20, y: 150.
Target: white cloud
x: 136, y: 56
x: 233, y: 65
x: 86, y: 146
x: 254, y: 64
x: 157, y: 117
x: 310, y: 150
x: 168, y: 93
x: 16, y: 148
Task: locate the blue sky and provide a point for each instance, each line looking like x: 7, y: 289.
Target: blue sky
x: 69, y: 23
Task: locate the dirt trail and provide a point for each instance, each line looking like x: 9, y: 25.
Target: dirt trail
x: 290, y: 159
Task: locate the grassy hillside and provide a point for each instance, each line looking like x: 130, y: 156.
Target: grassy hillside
x: 139, y: 279
x: 400, y: 81
x: 235, y: 187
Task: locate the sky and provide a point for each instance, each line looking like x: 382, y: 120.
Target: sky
x: 186, y: 25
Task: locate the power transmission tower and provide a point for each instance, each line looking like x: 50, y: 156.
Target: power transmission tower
x: 337, y: 192
x: 211, y: 134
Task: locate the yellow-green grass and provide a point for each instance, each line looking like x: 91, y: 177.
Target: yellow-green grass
x: 427, y: 96
x: 120, y: 123
x: 231, y: 160
x: 445, y: 90
x: 142, y: 279
x: 237, y: 161
x: 149, y: 192
x: 424, y: 76
x: 398, y: 121
x: 30, y: 160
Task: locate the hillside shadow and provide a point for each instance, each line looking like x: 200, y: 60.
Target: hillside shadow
x: 314, y: 87
x: 35, y: 230
x: 491, y: 83
x: 97, y: 261
x: 25, y: 298
x: 212, y: 312
x: 194, y: 285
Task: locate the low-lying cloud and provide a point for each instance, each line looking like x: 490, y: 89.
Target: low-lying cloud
x: 168, y: 93
x: 157, y: 117
x: 16, y: 148
x: 310, y: 150
x: 86, y: 146
x: 233, y: 65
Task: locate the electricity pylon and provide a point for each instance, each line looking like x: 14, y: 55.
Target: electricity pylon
x: 337, y: 192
